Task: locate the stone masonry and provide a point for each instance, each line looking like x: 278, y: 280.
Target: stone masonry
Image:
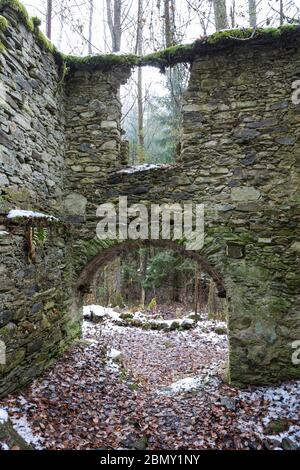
x: 61, y: 153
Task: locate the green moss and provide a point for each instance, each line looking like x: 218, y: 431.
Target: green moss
x: 36, y: 21
x: 246, y: 33
x: 3, y: 27
x: 3, y: 23
x: 103, y: 62
x: 277, y: 426
x: 31, y: 24
x: 126, y: 316
x: 44, y: 41
x: 183, y: 53
x: 20, y: 10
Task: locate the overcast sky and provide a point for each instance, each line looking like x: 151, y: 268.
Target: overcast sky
x: 75, y: 30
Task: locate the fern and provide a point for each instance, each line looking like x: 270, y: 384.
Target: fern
x: 39, y: 236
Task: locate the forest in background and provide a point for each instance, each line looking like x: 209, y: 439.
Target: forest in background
x: 152, y: 105
x: 156, y: 281
x: 151, y: 101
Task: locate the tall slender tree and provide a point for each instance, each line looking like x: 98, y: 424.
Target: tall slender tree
x: 281, y: 14
x: 49, y: 19
x: 62, y: 17
x: 252, y: 13
x: 114, y: 20
x: 140, y: 104
x: 220, y: 11
x: 91, y: 18
x: 169, y: 22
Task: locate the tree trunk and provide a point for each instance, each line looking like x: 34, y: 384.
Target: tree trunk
x: 143, y: 272
x: 213, y: 303
x: 139, y: 51
x: 281, y: 13
x: 61, y: 24
x: 252, y: 13
x: 221, y: 20
x: 232, y: 14
x: 49, y: 19
x: 114, y: 13
x: 141, y: 139
x: 91, y: 17
x: 196, y: 296
x: 169, y: 20
x: 117, y: 25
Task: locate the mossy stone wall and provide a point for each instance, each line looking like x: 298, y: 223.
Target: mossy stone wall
x: 239, y: 156
x: 61, y: 152
x: 35, y: 322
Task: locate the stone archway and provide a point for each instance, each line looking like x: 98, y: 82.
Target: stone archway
x: 239, y: 157
x: 105, y: 255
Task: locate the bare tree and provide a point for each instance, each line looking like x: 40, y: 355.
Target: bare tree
x: 91, y: 18
x: 169, y: 22
x: 281, y: 14
x: 221, y: 20
x: 49, y: 19
x: 252, y: 13
x: 114, y: 14
x: 139, y: 50
x: 232, y: 14
x: 62, y: 18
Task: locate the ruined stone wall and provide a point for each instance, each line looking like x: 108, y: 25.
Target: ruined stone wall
x: 34, y: 319
x: 31, y: 121
x: 240, y: 157
x: 61, y: 153
x: 241, y: 138
x: 93, y: 137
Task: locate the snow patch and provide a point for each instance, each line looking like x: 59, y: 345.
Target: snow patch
x: 3, y: 416
x: 183, y: 385
x: 99, y: 311
x: 282, y: 403
x: 4, y: 446
x: 3, y: 232
x: 23, y: 428
x: 145, y: 167
x: 15, y: 213
x: 114, y: 354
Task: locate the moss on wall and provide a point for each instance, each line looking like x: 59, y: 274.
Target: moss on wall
x: 3, y: 27
x: 182, y: 53
x: 3, y: 23
x: 250, y: 34
x: 102, y: 61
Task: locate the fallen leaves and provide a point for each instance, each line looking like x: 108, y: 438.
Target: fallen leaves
x: 81, y: 403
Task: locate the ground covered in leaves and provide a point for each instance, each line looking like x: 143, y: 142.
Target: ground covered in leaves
x: 125, y: 387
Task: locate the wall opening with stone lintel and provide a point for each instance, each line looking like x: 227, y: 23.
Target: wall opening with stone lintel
x: 61, y: 153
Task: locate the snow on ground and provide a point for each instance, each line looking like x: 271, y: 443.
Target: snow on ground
x: 144, y: 167
x: 4, y: 446
x: 182, y: 385
x: 113, y: 358
x: 15, y: 213
x: 3, y: 416
x: 166, y: 389
x: 283, y: 403
x: 99, y: 311
x: 23, y: 428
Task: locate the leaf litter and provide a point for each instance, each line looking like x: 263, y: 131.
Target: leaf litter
x: 125, y: 387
